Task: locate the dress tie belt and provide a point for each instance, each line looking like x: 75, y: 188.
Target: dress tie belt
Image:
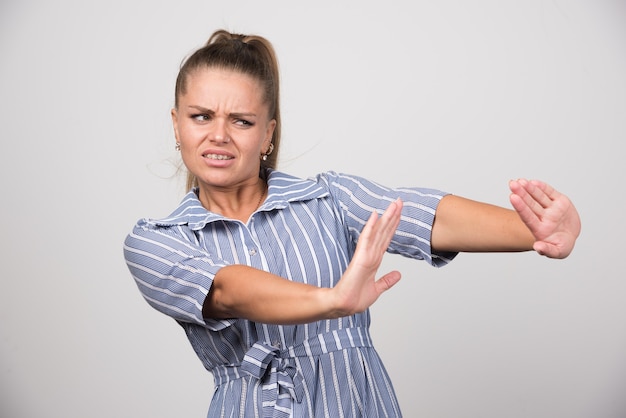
x: 282, y: 381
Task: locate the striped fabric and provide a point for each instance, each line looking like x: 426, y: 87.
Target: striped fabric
x: 305, y: 231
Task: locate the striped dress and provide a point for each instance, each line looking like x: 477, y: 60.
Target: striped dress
x: 305, y: 231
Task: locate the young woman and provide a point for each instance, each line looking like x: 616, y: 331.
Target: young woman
x: 271, y: 276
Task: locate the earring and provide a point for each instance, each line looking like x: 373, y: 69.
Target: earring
x: 269, y: 151
x: 177, y: 147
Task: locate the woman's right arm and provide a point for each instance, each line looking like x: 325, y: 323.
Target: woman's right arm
x: 240, y: 291
x: 544, y: 220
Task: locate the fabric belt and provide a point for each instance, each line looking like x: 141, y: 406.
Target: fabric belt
x: 282, y: 381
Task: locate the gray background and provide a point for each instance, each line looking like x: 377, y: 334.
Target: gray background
x: 452, y: 94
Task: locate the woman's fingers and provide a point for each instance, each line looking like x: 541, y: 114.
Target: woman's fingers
x: 527, y: 208
x: 389, y: 222
x: 548, y: 214
x: 377, y: 234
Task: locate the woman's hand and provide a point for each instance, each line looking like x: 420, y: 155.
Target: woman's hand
x: 358, y: 288
x: 549, y: 215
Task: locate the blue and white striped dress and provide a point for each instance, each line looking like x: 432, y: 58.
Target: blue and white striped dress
x: 305, y: 231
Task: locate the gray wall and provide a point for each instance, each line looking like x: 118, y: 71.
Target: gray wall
x: 456, y: 95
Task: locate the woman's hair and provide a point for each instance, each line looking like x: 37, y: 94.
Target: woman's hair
x: 247, y: 54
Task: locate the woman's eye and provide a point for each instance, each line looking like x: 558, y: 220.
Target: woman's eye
x: 243, y: 122
x: 201, y: 117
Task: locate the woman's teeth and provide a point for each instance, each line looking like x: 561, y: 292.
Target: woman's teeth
x: 217, y: 157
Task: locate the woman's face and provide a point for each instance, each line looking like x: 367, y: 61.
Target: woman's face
x: 223, y: 127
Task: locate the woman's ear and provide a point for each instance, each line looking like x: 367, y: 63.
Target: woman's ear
x: 269, y: 133
x: 174, y: 115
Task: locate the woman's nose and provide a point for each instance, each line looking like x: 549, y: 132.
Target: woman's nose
x: 220, y: 133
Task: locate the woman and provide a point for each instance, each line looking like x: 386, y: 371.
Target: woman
x: 271, y: 276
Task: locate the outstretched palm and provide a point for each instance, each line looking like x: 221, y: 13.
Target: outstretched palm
x: 549, y: 215
x: 358, y: 288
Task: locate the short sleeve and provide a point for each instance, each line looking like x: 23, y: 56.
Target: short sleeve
x: 359, y: 197
x: 173, y: 274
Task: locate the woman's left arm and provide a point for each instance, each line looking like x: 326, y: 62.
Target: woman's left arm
x: 544, y: 220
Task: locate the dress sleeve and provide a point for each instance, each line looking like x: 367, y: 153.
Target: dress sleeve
x: 359, y: 197
x: 173, y: 274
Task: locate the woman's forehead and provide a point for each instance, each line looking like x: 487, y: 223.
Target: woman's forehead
x: 219, y: 89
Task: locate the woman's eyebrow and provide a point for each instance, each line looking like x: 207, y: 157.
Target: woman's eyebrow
x: 242, y: 114
x: 201, y: 109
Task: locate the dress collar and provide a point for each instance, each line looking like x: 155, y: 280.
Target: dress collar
x: 282, y: 190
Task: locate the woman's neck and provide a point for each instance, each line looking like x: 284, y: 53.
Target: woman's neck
x: 234, y: 203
